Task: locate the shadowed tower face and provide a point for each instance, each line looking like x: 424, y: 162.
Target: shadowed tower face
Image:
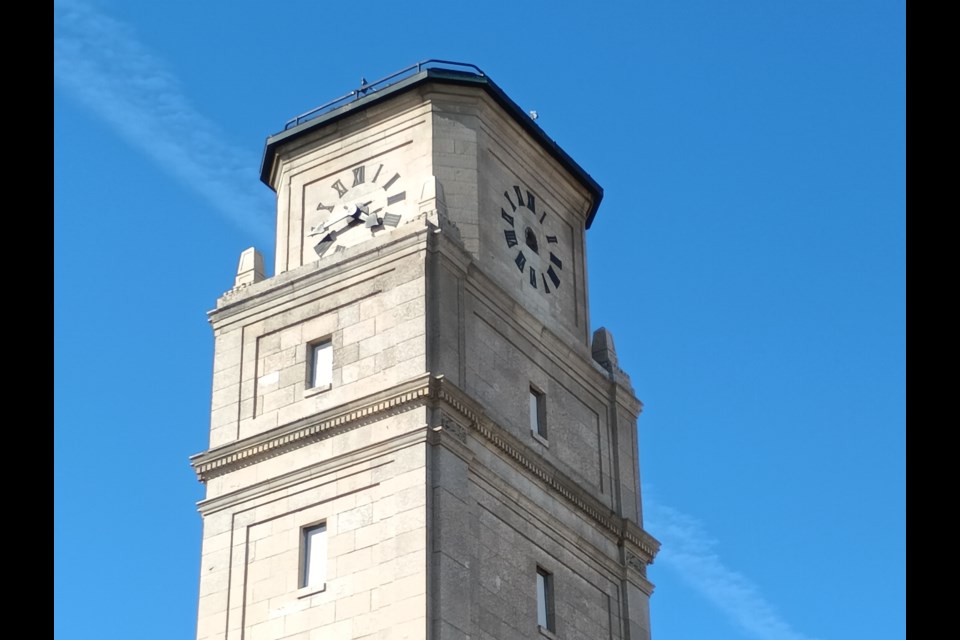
x: 414, y: 433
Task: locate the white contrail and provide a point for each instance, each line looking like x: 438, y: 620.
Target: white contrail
x: 100, y: 63
x: 689, y: 552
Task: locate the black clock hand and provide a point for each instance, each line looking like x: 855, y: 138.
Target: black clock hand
x: 370, y: 218
x: 332, y: 229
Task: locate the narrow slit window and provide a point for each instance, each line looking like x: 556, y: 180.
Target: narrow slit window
x: 545, y: 617
x: 538, y: 418
x: 321, y: 365
x: 313, y: 571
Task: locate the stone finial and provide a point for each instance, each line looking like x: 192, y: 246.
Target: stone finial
x: 431, y: 196
x: 603, y: 350
x: 250, y: 269
x: 433, y: 207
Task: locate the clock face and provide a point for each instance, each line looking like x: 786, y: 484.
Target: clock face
x: 353, y: 206
x: 532, y: 246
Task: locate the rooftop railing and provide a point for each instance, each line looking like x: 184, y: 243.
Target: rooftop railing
x: 369, y: 87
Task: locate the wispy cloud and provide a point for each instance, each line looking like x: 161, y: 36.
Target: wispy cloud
x: 690, y: 552
x: 99, y: 61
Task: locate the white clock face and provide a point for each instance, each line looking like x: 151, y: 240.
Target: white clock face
x: 352, y: 206
x: 531, y: 244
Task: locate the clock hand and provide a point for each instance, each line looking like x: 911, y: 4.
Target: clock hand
x: 326, y: 228
x: 351, y: 213
x: 370, y: 218
x: 317, y: 230
x: 322, y: 246
x: 331, y: 232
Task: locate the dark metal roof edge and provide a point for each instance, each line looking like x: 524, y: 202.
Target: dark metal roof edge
x: 324, y: 119
x: 446, y: 76
x: 531, y: 127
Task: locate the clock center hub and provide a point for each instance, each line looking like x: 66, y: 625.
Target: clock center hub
x: 531, y: 239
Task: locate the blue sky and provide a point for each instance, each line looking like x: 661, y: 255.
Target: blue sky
x: 749, y: 258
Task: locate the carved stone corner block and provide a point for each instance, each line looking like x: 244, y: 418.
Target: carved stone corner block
x: 637, y: 564
x: 453, y: 428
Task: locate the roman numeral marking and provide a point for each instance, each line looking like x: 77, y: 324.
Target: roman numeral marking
x: 391, y: 220
x: 521, y: 260
x: 555, y: 260
x: 397, y: 198
x: 532, y: 204
x: 358, y: 175
x: 545, y: 287
x: 511, y: 237
x: 552, y: 239
x: 503, y: 214
x: 395, y: 177
x: 506, y: 194
x: 533, y: 278
x: 340, y: 188
x: 377, y: 174
x: 543, y: 216
x: 554, y: 278
x: 519, y: 193
x: 323, y: 206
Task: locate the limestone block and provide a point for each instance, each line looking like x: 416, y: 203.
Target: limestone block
x: 277, y: 399
x: 268, y: 344
x: 355, y: 518
x: 318, y: 328
x: 291, y: 337
x: 358, y: 331
x: 411, y: 556
x: 227, y: 396
x: 455, y: 592
x: 341, y: 544
x: 227, y: 351
x: 316, y: 616
x: 210, y: 627
x: 353, y: 605
x: 339, y: 630
x: 348, y: 316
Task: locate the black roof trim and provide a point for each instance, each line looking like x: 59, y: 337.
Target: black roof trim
x: 445, y: 76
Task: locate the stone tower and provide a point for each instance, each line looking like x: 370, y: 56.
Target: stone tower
x: 414, y: 433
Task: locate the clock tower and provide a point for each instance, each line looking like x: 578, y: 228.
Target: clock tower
x: 414, y: 433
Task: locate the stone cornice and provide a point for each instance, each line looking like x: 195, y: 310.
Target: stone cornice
x: 221, y: 460
x: 299, y: 476
x: 409, y: 237
x: 625, y: 530
x: 435, y: 391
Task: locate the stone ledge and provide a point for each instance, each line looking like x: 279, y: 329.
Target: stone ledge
x: 421, y: 391
x: 625, y: 530
x: 221, y: 460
